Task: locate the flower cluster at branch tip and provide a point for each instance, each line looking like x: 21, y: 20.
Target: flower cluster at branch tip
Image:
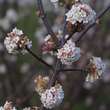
x: 7, y: 106
x: 69, y: 53
x: 80, y: 13
x: 95, y: 69
x: 41, y: 84
x: 16, y: 42
x: 48, y: 45
x: 52, y: 97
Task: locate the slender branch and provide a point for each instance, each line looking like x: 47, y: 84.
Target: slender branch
x: 45, y: 21
x: 53, y: 78
x: 71, y: 69
x: 39, y: 59
x: 89, y: 26
x: 64, y: 28
x: 69, y: 37
x: 103, y: 12
x: 81, y: 35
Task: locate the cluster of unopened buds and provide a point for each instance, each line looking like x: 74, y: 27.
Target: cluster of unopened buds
x: 41, y: 84
x: 48, y: 45
x: 80, y: 15
x: 95, y: 69
x: 50, y: 97
x: 16, y: 42
x: 69, y: 53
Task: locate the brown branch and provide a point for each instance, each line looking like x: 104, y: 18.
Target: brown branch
x: 71, y: 69
x: 45, y: 21
x: 81, y: 35
x: 53, y: 77
x: 39, y: 59
x: 52, y: 80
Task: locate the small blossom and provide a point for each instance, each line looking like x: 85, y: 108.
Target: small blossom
x: 48, y: 44
x: 41, y: 84
x: 52, y: 97
x: 69, y: 53
x: 31, y: 108
x: 16, y: 41
x: 95, y: 69
x: 7, y: 106
x: 1, y: 108
x: 80, y: 13
x: 55, y: 3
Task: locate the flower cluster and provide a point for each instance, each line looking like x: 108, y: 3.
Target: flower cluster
x: 16, y: 42
x: 80, y: 13
x: 31, y: 108
x: 69, y: 53
x: 48, y: 44
x: 41, y: 84
x: 95, y: 69
x: 7, y: 106
x: 52, y: 97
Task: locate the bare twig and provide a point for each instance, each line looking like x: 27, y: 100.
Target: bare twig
x: 39, y: 59
x: 45, y: 21
x: 71, y: 69
x: 53, y: 77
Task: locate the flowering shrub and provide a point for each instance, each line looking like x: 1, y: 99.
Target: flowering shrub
x: 78, y: 17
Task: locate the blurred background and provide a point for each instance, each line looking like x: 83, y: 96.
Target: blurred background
x: 17, y: 72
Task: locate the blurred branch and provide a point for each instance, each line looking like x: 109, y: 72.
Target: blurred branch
x: 53, y: 78
x: 101, y: 14
x: 45, y: 20
x: 71, y: 69
x: 39, y: 59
